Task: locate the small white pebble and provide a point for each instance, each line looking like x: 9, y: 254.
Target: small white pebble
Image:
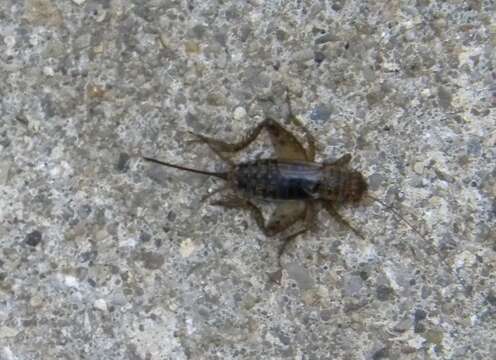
x: 131, y: 242
x: 10, y: 41
x: 55, y: 172
x: 48, y: 71
x: 4, y: 172
x: 239, y: 113
x: 416, y: 342
x: 101, y: 14
x: 391, y: 66
x: 7, y: 354
x: 187, y: 248
x: 426, y: 92
x: 6, y: 332
x: 101, y: 235
x: 36, y: 301
x: 190, y: 328
x: 100, y: 304
x: 418, y: 167
x: 79, y: 2
x: 34, y: 39
x: 71, y: 281
x: 464, y: 259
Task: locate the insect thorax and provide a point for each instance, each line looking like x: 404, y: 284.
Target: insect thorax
x: 342, y: 185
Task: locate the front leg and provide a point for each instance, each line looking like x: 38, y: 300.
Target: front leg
x: 336, y: 216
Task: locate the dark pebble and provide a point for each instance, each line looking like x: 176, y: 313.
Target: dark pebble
x: 491, y: 298
x: 123, y: 162
x: 321, y: 113
x: 319, y: 57
x: 419, y: 328
x: 420, y: 315
x: 384, y: 293
x: 381, y: 354
x: 33, y: 238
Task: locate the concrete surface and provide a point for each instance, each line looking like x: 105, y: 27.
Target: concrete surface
x: 105, y: 257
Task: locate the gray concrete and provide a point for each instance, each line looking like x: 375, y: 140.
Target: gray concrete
x: 105, y: 257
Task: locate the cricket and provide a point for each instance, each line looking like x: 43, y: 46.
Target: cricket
x: 298, y: 184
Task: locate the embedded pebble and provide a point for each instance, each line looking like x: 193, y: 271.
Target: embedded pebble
x: 100, y: 304
x: 239, y: 113
x: 188, y: 247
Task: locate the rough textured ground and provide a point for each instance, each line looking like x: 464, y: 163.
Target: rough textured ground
x: 105, y: 257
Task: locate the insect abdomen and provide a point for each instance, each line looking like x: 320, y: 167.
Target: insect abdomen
x: 278, y: 179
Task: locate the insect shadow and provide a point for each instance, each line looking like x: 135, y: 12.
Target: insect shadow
x: 298, y: 184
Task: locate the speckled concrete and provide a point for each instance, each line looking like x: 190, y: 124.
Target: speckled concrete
x: 105, y: 257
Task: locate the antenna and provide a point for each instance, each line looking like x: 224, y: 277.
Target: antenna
x: 216, y: 174
x: 397, y: 214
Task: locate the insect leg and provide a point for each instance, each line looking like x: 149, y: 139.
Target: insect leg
x: 216, y: 191
x: 342, y: 161
x: 235, y: 202
x: 310, y: 152
x: 333, y: 212
x: 219, y: 146
x: 286, y: 145
x: 308, y: 217
x: 286, y: 214
x: 212, y: 144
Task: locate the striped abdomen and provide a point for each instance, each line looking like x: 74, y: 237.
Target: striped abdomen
x: 278, y: 179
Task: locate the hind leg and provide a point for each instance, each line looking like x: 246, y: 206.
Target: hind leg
x: 286, y: 145
x: 284, y: 216
x: 219, y: 146
x: 307, y: 216
x: 214, y: 145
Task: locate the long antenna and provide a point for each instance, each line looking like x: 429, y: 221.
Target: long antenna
x: 397, y: 214
x: 203, y: 172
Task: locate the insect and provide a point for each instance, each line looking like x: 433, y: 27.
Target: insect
x: 293, y: 179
